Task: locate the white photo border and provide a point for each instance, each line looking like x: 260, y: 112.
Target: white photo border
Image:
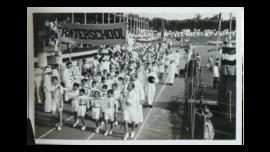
x: 239, y: 14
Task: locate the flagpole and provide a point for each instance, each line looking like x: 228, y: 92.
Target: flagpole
x: 230, y: 30
x: 219, y: 28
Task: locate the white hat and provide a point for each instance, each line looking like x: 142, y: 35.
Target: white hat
x: 48, y: 70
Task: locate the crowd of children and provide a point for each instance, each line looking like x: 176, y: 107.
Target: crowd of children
x: 116, y: 81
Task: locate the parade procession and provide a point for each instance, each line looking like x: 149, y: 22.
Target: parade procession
x: 113, y: 76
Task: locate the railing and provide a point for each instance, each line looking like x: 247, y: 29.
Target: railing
x: 194, y: 97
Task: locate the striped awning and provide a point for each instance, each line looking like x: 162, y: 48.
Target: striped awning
x: 228, y: 61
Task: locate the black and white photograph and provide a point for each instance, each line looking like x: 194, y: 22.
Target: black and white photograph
x: 149, y: 75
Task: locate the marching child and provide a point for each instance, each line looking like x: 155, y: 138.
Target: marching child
x: 94, y: 88
x: 104, y: 90
x: 57, y: 100
x: 85, y: 86
x: 108, y: 106
x: 96, y: 109
x: 130, y: 110
x: 73, y: 97
x: 98, y: 77
x: 83, y: 103
x: 116, y: 95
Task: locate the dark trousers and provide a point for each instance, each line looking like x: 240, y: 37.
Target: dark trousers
x: 215, y: 82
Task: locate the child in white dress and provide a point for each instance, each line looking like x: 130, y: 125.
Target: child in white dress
x: 83, y: 105
x: 72, y: 96
x: 108, y: 106
x: 57, y: 100
x: 96, y: 109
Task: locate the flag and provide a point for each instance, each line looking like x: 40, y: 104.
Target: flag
x: 219, y: 16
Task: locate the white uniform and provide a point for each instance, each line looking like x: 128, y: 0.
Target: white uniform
x: 177, y: 58
x: 68, y: 79
x: 57, y: 98
x: 140, y: 92
x: 151, y: 88
x: 108, y: 105
x: 215, y: 71
x: 130, y: 108
x: 105, y: 66
x: 77, y: 72
x: 116, y: 95
x: 96, y: 108
x: 47, y: 92
x: 172, y: 71
x: 83, y: 103
x: 73, y: 96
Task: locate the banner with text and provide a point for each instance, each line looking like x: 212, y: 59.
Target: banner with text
x: 94, y: 34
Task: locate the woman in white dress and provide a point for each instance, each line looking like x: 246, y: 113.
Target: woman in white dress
x: 140, y: 92
x: 47, y: 90
x: 130, y: 110
x: 151, y: 87
x: 172, y: 71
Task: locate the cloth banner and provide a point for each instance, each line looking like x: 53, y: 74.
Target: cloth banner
x: 94, y: 34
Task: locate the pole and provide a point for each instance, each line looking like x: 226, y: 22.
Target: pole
x: 120, y: 18
x: 138, y: 25
x: 192, y: 97
x: 102, y: 18
x: 127, y: 22
x: 218, y: 38
x: 72, y: 18
x: 114, y: 17
x: 230, y: 101
x: 70, y: 52
x: 85, y: 22
x: 230, y: 30
x: 108, y: 18
x: 96, y: 18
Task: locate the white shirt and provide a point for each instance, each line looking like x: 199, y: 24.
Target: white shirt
x: 67, y: 76
x: 105, y: 65
x: 215, y: 71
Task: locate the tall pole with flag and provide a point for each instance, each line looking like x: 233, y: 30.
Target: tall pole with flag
x: 218, y: 32
x: 161, y: 37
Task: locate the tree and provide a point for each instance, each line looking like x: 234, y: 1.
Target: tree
x: 198, y: 17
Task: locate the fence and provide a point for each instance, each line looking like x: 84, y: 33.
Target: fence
x: 196, y: 80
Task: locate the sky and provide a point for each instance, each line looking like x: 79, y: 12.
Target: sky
x: 181, y: 16
x: 179, y: 13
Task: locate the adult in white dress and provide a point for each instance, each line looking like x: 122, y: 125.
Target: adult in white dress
x: 172, y: 71
x: 140, y: 92
x: 47, y: 90
x: 130, y: 109
x: 151, y: 87
x: 68, y: 77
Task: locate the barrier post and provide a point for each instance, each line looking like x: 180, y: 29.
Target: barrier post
x: 230, y: 104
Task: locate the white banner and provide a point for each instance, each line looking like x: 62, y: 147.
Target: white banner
x: 94, y: 34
